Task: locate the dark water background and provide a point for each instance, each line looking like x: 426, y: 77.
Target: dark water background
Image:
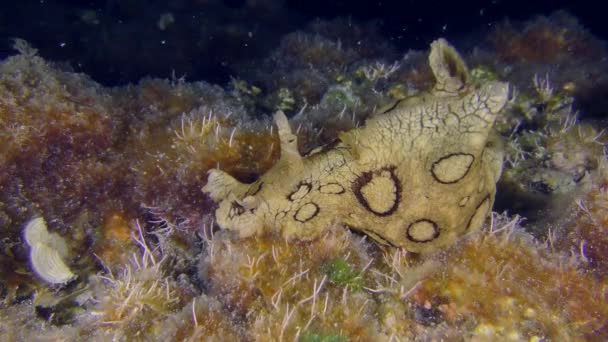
x: 120, y: 41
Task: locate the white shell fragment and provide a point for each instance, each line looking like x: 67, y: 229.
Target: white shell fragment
x: 35, y: 231
x: 48, y: 264
x: 47, y: 251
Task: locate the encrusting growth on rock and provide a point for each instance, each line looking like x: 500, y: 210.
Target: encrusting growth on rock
x: 436, y: 148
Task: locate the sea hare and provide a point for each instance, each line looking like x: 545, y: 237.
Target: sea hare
x: 416, y: 176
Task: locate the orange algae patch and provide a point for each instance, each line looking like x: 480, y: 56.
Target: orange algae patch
x: 504, y: 284
x: 114, y: 246
x: 202, y: 144
x: 250, y: 154
x: 116, y: 228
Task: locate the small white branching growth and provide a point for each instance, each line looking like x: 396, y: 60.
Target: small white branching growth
x: 379, y: 70
x: 543, y: 87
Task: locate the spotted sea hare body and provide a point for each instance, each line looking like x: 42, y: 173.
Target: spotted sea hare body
x: 417, y: 176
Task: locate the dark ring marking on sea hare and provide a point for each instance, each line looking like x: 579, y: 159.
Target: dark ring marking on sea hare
x: 366, y: 178
x: 302, y: 189
x: 436, y: 168
x: 422, y: 224
x: 306, y: 212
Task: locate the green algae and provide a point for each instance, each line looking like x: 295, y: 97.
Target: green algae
x: 340, y: 272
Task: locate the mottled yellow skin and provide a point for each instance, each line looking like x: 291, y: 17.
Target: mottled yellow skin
x: 417, y: 176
